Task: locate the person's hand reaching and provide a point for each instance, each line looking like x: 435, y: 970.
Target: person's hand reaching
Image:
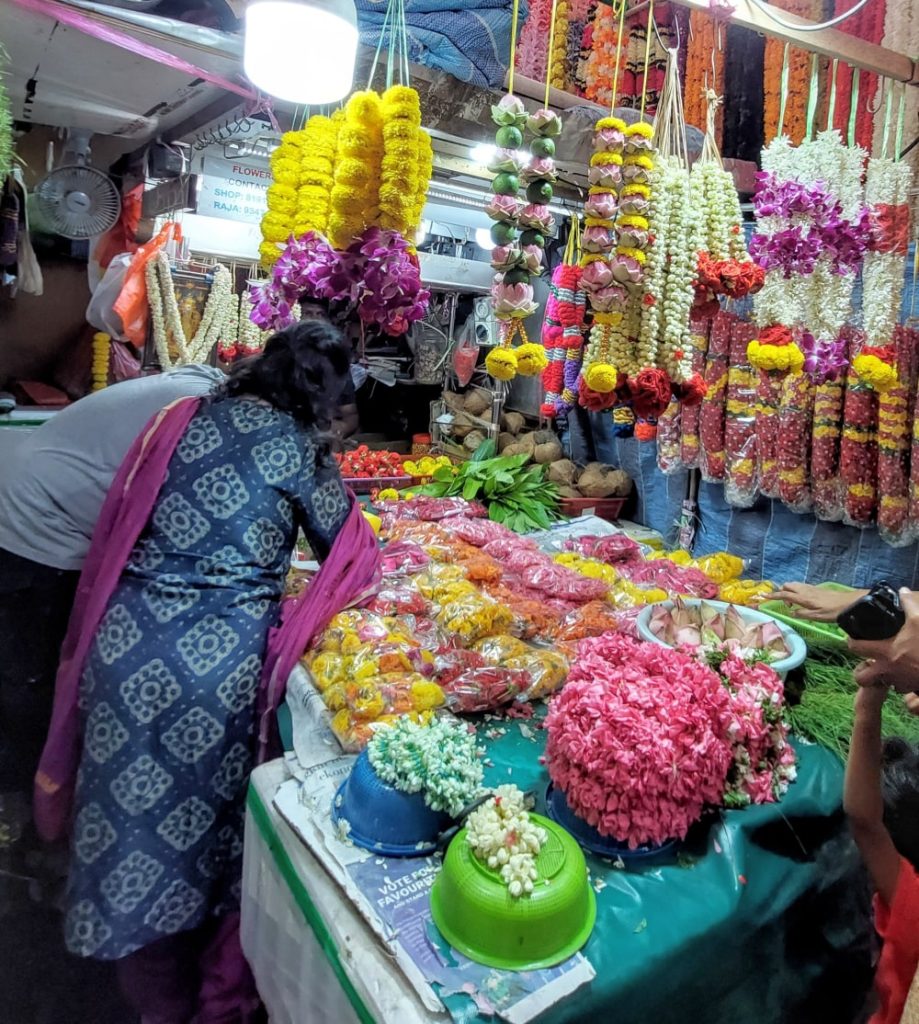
x: 893, y: 662
x: 815, y: 603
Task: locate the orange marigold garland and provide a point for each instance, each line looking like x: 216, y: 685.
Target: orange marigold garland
x: 798, y: 72
x: 702, y: 51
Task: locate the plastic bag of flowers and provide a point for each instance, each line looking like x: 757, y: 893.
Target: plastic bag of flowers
x: 643, y: 738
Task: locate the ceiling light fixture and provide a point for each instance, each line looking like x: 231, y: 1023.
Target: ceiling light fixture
x: 301, y: 51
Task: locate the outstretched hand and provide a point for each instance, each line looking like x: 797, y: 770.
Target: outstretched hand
x: 815, y: 603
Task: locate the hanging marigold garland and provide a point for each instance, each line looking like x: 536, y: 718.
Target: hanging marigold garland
x: 798, y: 64
x: 278, y: 223
x: 702, y: 52
x: 355, y: 200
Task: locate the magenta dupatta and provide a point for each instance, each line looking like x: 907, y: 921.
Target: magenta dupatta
x: 351, y: 571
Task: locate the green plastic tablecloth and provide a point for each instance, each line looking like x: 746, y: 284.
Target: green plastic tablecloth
x: 762, y: 919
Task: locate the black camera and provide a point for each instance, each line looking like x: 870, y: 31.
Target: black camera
x: 876, y: 616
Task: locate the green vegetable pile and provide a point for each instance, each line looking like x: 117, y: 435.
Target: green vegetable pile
x: 518, y: 496
x: 825, y: 711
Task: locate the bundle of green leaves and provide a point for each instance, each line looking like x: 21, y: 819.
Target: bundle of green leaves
x: 517, y: 495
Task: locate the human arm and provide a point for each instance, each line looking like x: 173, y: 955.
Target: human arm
x: 346, y: 422
x: 895, y: 661
x: 322, y: 502
x: 862, y: 799
x: 815, y: 603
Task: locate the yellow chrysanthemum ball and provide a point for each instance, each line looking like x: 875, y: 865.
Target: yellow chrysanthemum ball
x: 775, y: 357
x: 640, y: 128
x: 355, y: 196
x: 501, y: 363
x: 611, y: 122
x: 268, y: 253
x: 601, y: 377
x: 531, y: 359
x: 874, y: 371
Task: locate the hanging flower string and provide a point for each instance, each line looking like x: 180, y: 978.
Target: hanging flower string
x: 562, y: 335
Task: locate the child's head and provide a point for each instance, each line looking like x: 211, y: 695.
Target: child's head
x: 900, y: 791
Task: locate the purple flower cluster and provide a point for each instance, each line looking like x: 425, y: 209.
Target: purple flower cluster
x: 825, y: 232
x: 824, y: 360
x: 376, y: 278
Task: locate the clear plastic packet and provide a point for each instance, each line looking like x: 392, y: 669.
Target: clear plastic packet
x: 689, y: 420
x: 720, y: 567
x: 497, y: 649
x: 591, y: 619
x: 745, y: 592
x: 560, y: 582
x: 434, y: 580
x: 546, y: 670
x: 353, y: 734
x: 669, y: 433
x: 858, y: 453
x: 532, y: 619
x: 327, y: 668
x: 396, y: 655
x: 793, y: 442
x: 349, y: 629
x: 768, y: 401
x: 472, y: 616
x: 479, y: 566
x: 826, y: 435
x: 413, y: 531
x: 403, y: 599
x: 479, y: 531
x: 740, y: 467
x: 712, y: 410
x: 613, y: 549
x: 486, y: 688
x: 513, y: 553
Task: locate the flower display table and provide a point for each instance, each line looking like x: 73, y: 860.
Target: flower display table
x: 754, y: 923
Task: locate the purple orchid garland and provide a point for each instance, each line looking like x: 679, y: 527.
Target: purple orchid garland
x: 376, y: 278
x: 824, y: 360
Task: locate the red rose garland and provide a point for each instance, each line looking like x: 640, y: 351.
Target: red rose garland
x: 563, y: 339
x: 740, y: 483
x: 711, y: 416
x: 669, y: 437
x: 894, y: 448
x: 858, y: 452
x: 769, y: 396
x: 793, y: 441
x: 689, y: 439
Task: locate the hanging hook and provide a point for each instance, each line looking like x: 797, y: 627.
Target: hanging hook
x: 880, y: 97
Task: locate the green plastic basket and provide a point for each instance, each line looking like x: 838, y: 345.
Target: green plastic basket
x: 476, y: 914
x: 817, y: 634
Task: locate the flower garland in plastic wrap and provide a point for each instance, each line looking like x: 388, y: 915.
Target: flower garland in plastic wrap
x: 647, y: 724
x: 439, y: 759
x: 6, y: 123
x: 607, y: 298
x: 355, y: 200
x: 501, y: 834
x: 377, y: 277
x: 277, y: 224
x: 893, y: 449
x: 887, y: 194
x: 563, y: 340
x: 516, y: 258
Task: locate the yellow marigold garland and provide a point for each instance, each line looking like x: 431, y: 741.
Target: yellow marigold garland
x: 316, y: 175
x: 402, y: 159
x: 279, y: 221
x: 355, y: 197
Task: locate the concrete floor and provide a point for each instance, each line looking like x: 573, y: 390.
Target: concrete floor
x: 40, y: 982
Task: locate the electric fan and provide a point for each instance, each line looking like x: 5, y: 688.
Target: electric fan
x: 75, y: 200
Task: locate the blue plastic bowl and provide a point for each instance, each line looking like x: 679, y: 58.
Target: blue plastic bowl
x: 383, y: 819
x: 797, y: 648
x: 590, y: 839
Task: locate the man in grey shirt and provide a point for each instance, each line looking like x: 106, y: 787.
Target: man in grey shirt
x: 52, y: 486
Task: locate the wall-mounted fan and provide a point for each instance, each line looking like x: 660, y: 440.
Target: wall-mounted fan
x: 74, y: 199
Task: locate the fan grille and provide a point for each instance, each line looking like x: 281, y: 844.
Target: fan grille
x: 78, y: 202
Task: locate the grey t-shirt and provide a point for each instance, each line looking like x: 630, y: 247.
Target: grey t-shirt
x: 53, y: 483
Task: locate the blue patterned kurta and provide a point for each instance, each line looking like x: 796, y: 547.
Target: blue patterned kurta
x: 168, y: 693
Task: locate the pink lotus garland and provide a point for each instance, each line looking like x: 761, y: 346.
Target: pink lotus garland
x: 376, y: 277
x: 644, y: 737
x: 637, y: 739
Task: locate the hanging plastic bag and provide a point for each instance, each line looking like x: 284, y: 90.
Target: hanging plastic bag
x: 101, y: 309
x: 466, y: 353
x: 131, y: 305
x: 123, y: 364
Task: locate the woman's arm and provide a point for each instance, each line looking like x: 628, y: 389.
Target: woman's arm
x: 862, y: 798
x: 815, y: 603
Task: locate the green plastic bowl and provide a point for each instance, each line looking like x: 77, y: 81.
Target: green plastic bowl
x: 478, y: 916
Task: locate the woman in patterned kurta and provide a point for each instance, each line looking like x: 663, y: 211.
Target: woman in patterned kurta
x: 169, y: 689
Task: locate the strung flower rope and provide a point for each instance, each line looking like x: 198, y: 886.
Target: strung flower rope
x: 562, y: 334
x: 320, y: 142
x: 167, y: 320
x: 282, y: 196
x: 439, y: 759
x: 501, y: 834
x: 355, y: 200
x: 887, y: 194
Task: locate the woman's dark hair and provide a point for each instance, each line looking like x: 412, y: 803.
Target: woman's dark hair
x: 900, y: 792
x: 302, y: 371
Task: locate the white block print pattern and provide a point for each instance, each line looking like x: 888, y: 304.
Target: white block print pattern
x: 150, y: 691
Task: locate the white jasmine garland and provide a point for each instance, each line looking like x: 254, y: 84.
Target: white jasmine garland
x: 439, y: 759
x: 250, y: 337
x: 656, y: 267
x: 164, y: 312
x: 501, y: 835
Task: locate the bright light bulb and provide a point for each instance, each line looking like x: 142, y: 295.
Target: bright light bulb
x: 302, y: 51
x: 482, y: 154
x: 483, y: 238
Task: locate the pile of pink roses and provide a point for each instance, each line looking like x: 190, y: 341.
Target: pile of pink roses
x: 643, y: 738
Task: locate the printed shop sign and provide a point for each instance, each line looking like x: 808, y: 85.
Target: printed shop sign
x: 234, y: 189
